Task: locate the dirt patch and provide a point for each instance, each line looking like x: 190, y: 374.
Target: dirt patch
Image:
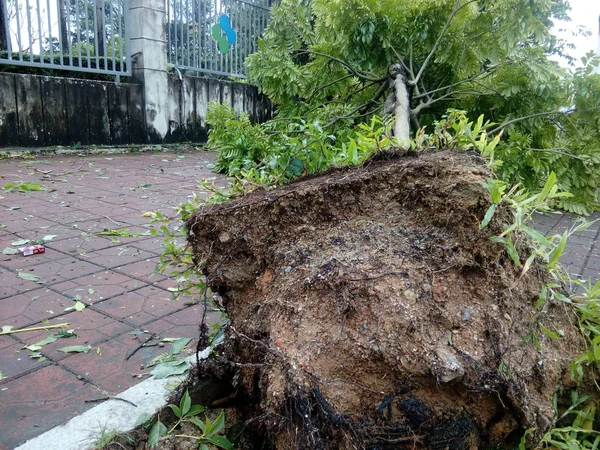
x: 369, y: 311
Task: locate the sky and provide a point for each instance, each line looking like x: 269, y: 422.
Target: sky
x: 583, y: 13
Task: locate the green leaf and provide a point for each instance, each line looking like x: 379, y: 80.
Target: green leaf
x: 179, y: 345
x: 195, y: 410
x: 538, y: 237
x: 216, y: 426
x: 33, y: 347
x: 157, y: 431
x: 20, y: 242
x: 10, y: 251
x: 6, y: 328
x: 488, y: 216
x: 142, y: 419
x: 29, y: 277
x: 77, y: 307
x: 549, y: 333
x: 176, y: 410
x: 220, y: 441
x: 185, y: 403
x: 512, y: 251
x: 198, y: 422
x: 76, y: 349
x: 558, y: 250
x: 165, y: 357
x: 48, y: 237
x: 167, y: 369
x: 542, y: 297
x: 550, y: 182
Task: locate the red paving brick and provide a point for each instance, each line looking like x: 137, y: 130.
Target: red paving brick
x: 112, y: 275
x: 39, y: 401
x: 109, y: 369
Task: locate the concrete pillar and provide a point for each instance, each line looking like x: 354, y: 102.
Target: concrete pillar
x: 149, y: 63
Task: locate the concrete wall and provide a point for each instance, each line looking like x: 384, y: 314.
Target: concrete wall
x: 38, y: 111
x: 188, y: 104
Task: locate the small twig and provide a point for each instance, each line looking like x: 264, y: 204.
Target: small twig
x: 143, y: 344
x: 59, y: 174
x: 235, y: 364
x: 261, y: 343
x: 97, y: 400
x: 113, y: 221
x: 325, y: 86
x: 22, y: 330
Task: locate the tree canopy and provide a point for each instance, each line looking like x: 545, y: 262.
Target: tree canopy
x: 325, y: 65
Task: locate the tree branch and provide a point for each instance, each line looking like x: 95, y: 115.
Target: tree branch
x: 531, y: 116
x: 366, y: 86
x: 377, y: 96
x: 439, y: 40
x: 343, y: 63
x: 458, y: 83
x: 448, y: 97
x: 559, y: 151
x: 351, y: 114
x: 325, y: 86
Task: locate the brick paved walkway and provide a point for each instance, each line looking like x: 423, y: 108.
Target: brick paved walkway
x: 581, y: 258
x: 113, y: 276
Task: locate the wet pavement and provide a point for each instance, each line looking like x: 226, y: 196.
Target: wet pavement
x: 113, y: 276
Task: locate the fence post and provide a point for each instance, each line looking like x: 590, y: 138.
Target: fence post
x: 148, y: 42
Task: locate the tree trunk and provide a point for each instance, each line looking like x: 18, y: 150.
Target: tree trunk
x: 64, y: 31
x: 397, y: 105
x: 100, y: 28
x: 3, y: 27
x: 401, y: 112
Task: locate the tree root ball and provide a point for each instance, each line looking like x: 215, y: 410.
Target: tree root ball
x: 368, y: 310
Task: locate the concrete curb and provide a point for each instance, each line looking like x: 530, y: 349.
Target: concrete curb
x: 81, y: 431
x: 39, y: 152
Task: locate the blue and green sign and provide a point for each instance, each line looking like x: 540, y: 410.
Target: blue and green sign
x: 228, y: 38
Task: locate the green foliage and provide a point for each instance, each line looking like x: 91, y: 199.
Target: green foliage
x: 275, y: 153
x: 208, y: 431
x: 25, y: 186
x: 328, y: 61
x: 176, y: 257
x: 580, y: 433
x: 240, y: 144
x: 587, y: 305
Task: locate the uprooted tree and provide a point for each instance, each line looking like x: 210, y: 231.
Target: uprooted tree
x: 369, y: 311
x: 369, y: 307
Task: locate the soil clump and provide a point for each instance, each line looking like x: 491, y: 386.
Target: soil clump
x: 369, y: 311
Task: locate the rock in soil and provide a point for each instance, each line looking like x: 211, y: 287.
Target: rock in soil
x: 369, y: 311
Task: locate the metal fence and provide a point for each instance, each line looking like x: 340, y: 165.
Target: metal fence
x: 80, y: 35
x: 214, y: 36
